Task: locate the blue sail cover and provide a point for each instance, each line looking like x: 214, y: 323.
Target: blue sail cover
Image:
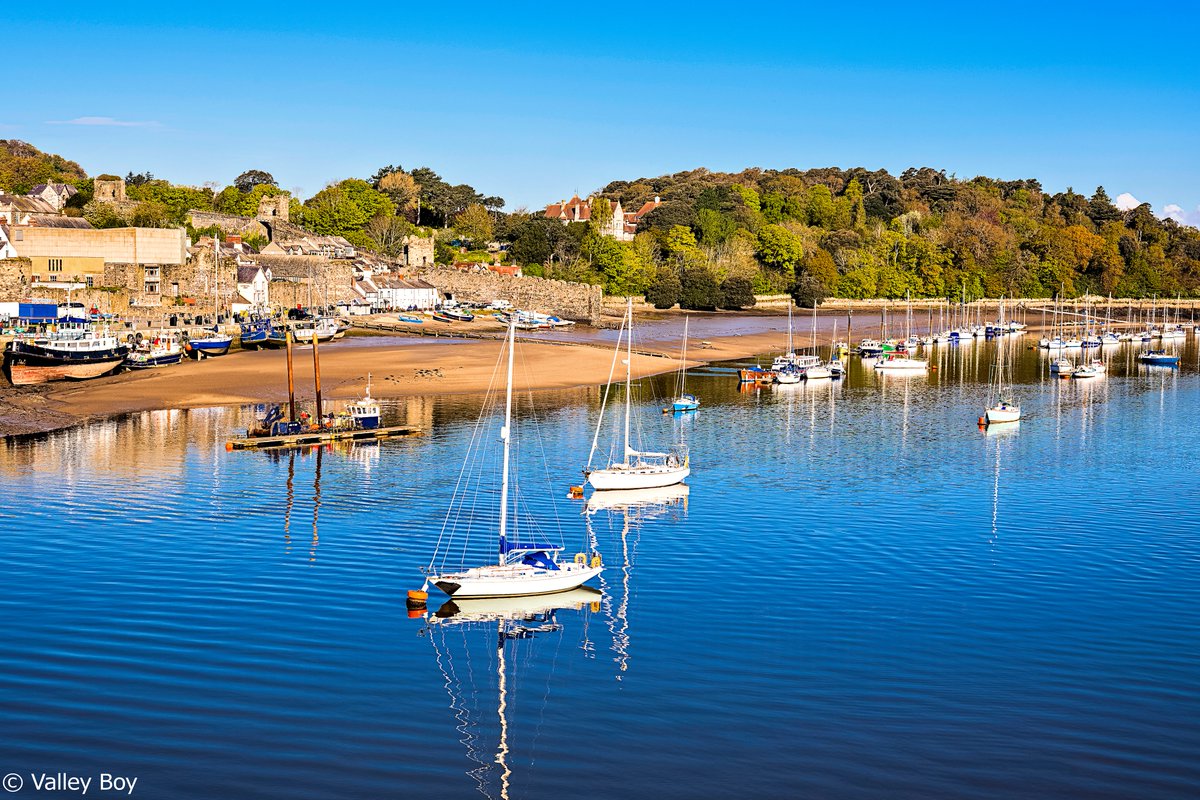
x: 535, y: 552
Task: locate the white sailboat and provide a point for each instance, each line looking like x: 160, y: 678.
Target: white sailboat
x: 1002, y: 404
x: 525, y: 566
x: 635, y: 469
x: 785, y: 365
x: 816, y: 369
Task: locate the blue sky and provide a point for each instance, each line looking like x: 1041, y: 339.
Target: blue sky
x: 535, y: 102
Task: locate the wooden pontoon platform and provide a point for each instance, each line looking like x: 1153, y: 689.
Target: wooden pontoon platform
x: 319, y: 437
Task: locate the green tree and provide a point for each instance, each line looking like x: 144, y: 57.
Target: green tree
x: 666, y: 288
x: 699, y: 290
x: 345, y: 207
x: 715, y: 228
x: 737, y: 293
x: 807, y: 291
x: 251, y: 178
x: 602, y: 214
x: 474, y: 225
x: 820, y: 207
x: 858, y: 212
x: 780, y: 248
x: 103, y: 215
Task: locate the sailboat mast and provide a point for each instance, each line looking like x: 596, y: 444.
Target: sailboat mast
x: 628, y: 375
x: 506, y: 436
x: 790, y: 349
x: 683, y: 358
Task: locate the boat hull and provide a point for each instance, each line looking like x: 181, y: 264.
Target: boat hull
x: 151, y: 362
x: 27, y: 366
x: 211, y: 348
x: 636, y: 478
x: 22, y: 374
x: 514, y: 580
x: 998, y: 415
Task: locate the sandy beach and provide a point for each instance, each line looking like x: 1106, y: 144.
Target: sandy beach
x: 399, y: 367
x: 407, y: 360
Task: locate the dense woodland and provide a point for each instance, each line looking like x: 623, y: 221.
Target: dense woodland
x: 860, y: 234
x: 719, y: 238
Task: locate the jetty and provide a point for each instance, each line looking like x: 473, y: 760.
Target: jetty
x: 317, y: 437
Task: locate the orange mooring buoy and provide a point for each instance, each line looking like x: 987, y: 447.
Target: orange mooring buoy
x: 416, y: 599
x: 575, y: 492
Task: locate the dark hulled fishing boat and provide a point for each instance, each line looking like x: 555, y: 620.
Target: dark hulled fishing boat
x: 72, y: 352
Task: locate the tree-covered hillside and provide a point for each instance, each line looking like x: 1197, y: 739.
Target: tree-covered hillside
x: 23, y: 166
x: 856, y: 233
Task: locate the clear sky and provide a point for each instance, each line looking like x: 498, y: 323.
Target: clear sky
x: 534, y: 102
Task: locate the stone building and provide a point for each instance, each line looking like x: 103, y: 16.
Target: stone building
x: 56, y: 194
x: 621, y: 226
x: 276, y: 207
x: 418, y: 252
x: 82, y: 255
x: 109, y: 189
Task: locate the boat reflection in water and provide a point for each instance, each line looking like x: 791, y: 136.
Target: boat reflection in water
x: 633, y: 507
x: 366, y: 454
x: 511, y: 624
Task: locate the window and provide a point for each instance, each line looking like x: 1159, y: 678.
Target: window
x: 90, y: 281
x: 19, y: 236
x: 55, y: 265
x: 175, y: 288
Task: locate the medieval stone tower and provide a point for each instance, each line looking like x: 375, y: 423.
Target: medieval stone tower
x: 109, y: 190
x: 274, y: 208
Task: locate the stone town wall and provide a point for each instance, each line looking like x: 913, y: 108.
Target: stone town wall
x: 577, y: 301
x: 308, y: 280
x: 13, y: 287
x: 228, y: 223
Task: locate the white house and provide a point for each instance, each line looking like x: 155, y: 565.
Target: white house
x: 406, y: 294
x: 253, y: 286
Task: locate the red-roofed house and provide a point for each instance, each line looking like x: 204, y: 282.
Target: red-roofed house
x: 576, y: 210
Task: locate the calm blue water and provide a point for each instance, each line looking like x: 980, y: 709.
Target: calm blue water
x: 862, y: 595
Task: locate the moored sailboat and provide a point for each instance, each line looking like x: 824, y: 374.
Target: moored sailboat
x: 684, y: 401
x: 525, y: 565
x: 634, y: 469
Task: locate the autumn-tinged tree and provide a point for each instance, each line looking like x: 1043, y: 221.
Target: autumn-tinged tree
x: 474, y: 225
x: 401, y: 189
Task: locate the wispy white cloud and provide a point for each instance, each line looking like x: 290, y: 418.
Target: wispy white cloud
x: 1125, y: 201
x: 105, y: 122
x: 1179, y: 214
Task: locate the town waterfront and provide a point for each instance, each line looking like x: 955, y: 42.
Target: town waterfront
x: 862, y: 594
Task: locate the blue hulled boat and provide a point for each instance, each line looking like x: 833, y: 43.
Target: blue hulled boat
x: 1159, y: 358
x: 213, y: 343
x: 255, y: 333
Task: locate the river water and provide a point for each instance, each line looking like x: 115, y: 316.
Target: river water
x: 860, y: 594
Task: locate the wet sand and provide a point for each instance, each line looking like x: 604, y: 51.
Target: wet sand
x: 398, y: 366
x: 403, y: 364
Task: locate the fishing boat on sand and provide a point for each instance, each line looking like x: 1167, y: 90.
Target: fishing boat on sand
x: 71, y: 352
